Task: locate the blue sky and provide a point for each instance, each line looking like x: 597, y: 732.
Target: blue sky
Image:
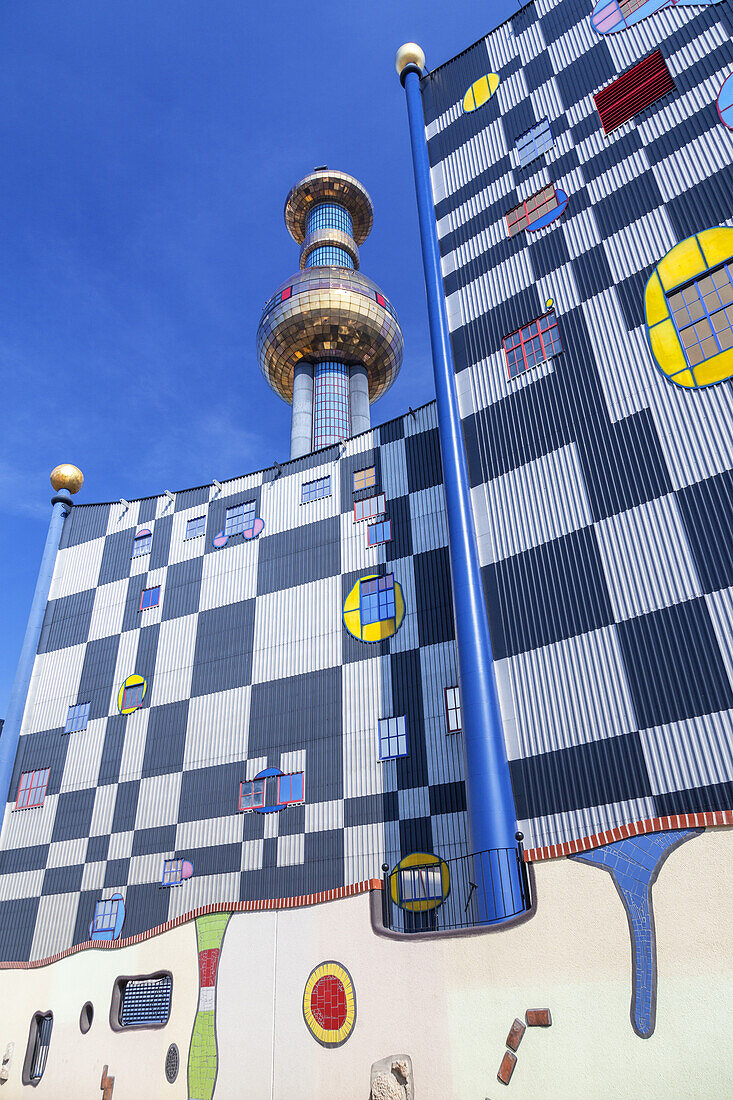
x: 148, y: 146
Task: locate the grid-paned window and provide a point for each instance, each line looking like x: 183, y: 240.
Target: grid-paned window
x: 421, y: 883
x: 172, y: 872
x: 105, y: 915
x: 634, y: 90
x: 195, y: 527
x: 251, y: 794
x: 145, y: 1001
x: 392, y: 737
x: 291, y: 788
x: 41, y: 1044
x: 329, y: 255
x: 532, y: 209
x: 377, y: 599
x: 534, y: 143
x: 32, y: 789
x: 141, y: 543
x: 150, y: 597
x: 703, y: 314
x: 329, y: 215
x: 132, y: 696
x: 379, y: 532
x: 331, y: 418
x: 315, y: 490
x: 369, y: 508
x: 239, y: 518
x: 77, y: 717
x: 453, y: 709
x: 528, y: 346
x: 365, y: 479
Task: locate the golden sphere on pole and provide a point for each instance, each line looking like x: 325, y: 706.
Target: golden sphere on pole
x: 409, y: 54
x: 67, y: 477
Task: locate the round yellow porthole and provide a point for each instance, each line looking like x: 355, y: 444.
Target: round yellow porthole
x: 420, y: 882
x: 329, y: 1004
x: 374, y: 608
x: 131, y: 694
x: 480, y: 91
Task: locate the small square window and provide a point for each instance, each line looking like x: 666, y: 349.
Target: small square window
x: 239, y: 518
x: 532, y: 344
x: 150, y: 598
x: 105, y: 916
x: 534, y: 143
x: 392, y: 738
x: 369, y: 508
x: 172, y: 872
x: 251, y: 794
x: 141, y: 543
x: 365, y: 479
x: 315, y: 490
x: 453, y: 709
x: 291, y: 788
x: 77, y: 718
x: 32, y: 789
x: 132, y: 696
x: 195, y: 527
x: 379, y: 532
x: 377, y: 599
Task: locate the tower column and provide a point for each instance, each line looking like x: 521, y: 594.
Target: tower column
x: 359, y: 397
x: 301, y: 431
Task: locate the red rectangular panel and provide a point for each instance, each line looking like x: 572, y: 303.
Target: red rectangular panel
x: 633, y: 91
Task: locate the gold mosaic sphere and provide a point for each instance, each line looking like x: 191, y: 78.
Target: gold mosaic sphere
x: 68, y: 477
x: 326, y: 185
x: 409, y: 54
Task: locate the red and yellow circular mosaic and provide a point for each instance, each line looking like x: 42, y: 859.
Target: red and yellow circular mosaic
x: 329, y: 1004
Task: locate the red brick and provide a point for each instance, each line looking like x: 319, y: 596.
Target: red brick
x: 516, y: 1031
x: 506, y: 1069
x: 538, y: 1017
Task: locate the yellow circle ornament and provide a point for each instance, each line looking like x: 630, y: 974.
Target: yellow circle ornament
x: 362, y: 597
x: 480, y: 92
x: 420, y: 882
x: 329, y: 1004
x: 686, y: 300
x: 67, y: 477
x: 131, y: 694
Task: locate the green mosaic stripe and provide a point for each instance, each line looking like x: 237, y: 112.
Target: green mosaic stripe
x: 202, y: 1055
x: 210, y: 930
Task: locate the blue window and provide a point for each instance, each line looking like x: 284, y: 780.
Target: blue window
x: 314, y: 490
x: 328, y: 255
x: 150, y: 598
x: 379, y: 532
x: 195, y: 527
x: 329, y: 215
x: 392, y: 738
x: 172, y: 872
x: 77, y: 718
x: 239, y: 518
x: 534, y: 143
x: 141, y: 543
x: 376, y: 599
x: 105, y: 916
x: 703, y: 314
x: 291, y: 788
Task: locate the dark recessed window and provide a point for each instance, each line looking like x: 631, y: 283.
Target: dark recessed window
x: 365, y: 479
x: 369, y: 508
x: 379, y: 532
x: 315, y: 490
x: 534, y: 143
x: 32, y: 789
x: 239, y: 518
x: 528, y: 346
x: 703, y: 314
x: 195, y: 527
x: 532, y: 209
x: 41, y: 1039
x: 77, y: 718
x: 144, y: 1002
x: 141, y: 543
x: 291, y: 788
x: 392, y: 738
x: 251, y: 794
x: 453, y: 709
x: 633, y: 91
x: 86, y: 1017
x: 377, y: 599
x: 150, y: 598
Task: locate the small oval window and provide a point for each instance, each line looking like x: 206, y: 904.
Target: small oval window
x: 86, y: 1018
x: 480, y: 92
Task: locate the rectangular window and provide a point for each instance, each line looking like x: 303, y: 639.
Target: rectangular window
x: 141, y: 543
x: 195, y: 527
x: 634, y: 90
x: 77, y: 718
x: 251, y: 794
x: 145, y: 1002
x: 421, y: 883
x: 376, y: 599
x: 240, y: 518
x: 132, y: 696
x: 291, y: 788
x: 537, y: 341
x: 453, y: 709
x: 150, y: 598
x: 32, y: 789
x: 365, y: 479
x: 105, y: 916
x: 41, y: 1043
x: 172, y: 872
x: 392, y: 738
x: 534, y: 143
x: 531, y: 210
x: 379, y: 532
x: 369, y: 508
x: 315, y: 490
x: 703, y: 314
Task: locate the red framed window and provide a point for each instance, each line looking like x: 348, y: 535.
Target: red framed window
x: 251, y: 794
x: 132, y: 696
x: 150, y: 598
x: 453, y: 709
x: 32, y: 789
x: 634, y: 90
x: 291, y: 788
x: 528, y: 346
x: 532, y: 209
x: 369, y: 508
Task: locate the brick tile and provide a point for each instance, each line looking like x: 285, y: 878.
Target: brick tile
x: 506, y: 1069
x: 538, y: 1017
x: 516, y: 1031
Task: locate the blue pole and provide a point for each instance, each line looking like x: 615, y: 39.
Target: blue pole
x: 491, y: 811
x: 62, y: 505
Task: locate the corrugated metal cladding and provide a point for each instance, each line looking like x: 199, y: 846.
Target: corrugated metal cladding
x: 603, y: 493
x: 248, y: 667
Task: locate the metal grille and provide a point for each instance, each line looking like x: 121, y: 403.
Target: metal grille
x: 329, y: 215
x: 636, y: 89
x: 44, y: 1026
x: 146, y: 1001
x: 172, y: 1062
x: 330, y: 403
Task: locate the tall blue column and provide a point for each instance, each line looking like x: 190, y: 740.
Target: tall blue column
x: 492, y: 815
x: 62, y: 505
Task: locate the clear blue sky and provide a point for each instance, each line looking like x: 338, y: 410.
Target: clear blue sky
x: 148, y: 146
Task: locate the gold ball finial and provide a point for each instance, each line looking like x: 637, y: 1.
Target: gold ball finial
x: 409, y: 54
x: 68, y: 477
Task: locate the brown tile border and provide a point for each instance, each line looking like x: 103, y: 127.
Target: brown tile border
x: 622, y: 832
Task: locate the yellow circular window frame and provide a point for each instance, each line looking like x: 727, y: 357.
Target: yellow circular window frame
x: 420, y: 859
x: 686, y: 261
x: 131, y: 681
x: 480, y: 92
x: 372, y: 632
